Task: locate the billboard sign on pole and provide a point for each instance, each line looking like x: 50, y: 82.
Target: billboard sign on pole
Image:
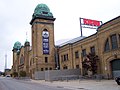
x: 89, y: 23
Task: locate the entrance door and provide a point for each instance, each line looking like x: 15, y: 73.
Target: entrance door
x: 115, y: 65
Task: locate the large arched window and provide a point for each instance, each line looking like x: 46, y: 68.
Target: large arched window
x: 114, y: 41
x: 107, y: 46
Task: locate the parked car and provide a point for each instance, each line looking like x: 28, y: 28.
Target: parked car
x: 7, y: 76
x: 117, y: 79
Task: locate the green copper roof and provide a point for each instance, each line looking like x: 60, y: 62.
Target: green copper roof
x: 42, y: 10
x: 17, y: 45
x: 27, y: 43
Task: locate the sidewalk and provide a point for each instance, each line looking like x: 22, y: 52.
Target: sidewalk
x: 82, y: 85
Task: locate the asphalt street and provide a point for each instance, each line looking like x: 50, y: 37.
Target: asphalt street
x: 13, y: 84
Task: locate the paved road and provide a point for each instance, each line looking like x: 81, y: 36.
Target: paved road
x: 12, y: 84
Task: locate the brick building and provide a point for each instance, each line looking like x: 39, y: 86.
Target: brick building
x: 44, y: 55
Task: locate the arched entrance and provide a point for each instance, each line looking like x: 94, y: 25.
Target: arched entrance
x: 115, y: 67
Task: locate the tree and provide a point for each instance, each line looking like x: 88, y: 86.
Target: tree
x: 90, y: 63
x: 15, y: 74
x: 3, y: 73
x: 22, y: 74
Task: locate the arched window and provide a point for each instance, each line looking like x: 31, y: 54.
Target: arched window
x: 22, y: 59
x: 114, y: 41
x: 30, y: 62
x: 107, y: 46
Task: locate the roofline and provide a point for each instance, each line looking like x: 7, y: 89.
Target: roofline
x: 92, y: 34
x: 77, y: 41
x: 108, y: 22
x: 42, y: 17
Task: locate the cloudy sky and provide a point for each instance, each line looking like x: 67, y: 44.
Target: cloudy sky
x: 15, y: 16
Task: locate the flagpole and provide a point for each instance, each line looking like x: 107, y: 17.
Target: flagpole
x: 81, y: 28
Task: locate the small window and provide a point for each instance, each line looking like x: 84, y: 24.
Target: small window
x: 76, y: 54
x: 92, y: 49
x: 65, y: 67
x: 65, y: 57
x: 84, y: 52
x: 46, y: 59
x: 77, y: 66
x: 62, y: 59
x: 42, y: 69
x: 50, y: 68
x: 119, y: 40
x: 45, y: 12
x: 114, y: 41
x: 46, y: 68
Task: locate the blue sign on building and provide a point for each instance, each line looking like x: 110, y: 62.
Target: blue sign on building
x: 45, y: 38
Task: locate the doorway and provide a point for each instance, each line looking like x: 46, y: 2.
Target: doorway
x: 115, y: 66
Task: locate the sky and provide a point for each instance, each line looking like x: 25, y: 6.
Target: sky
x: 15, y: 16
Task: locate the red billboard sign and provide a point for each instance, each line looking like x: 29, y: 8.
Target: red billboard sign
x: 91, y: 22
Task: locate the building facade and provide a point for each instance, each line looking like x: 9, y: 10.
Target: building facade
x: 44, y: 55
x: 105, y: 44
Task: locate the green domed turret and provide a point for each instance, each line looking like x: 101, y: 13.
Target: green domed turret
x: 27, y: 43
x: 17, y: 45
x: 42, y: 12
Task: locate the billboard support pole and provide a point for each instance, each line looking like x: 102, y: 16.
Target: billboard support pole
x: 81, y: 28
